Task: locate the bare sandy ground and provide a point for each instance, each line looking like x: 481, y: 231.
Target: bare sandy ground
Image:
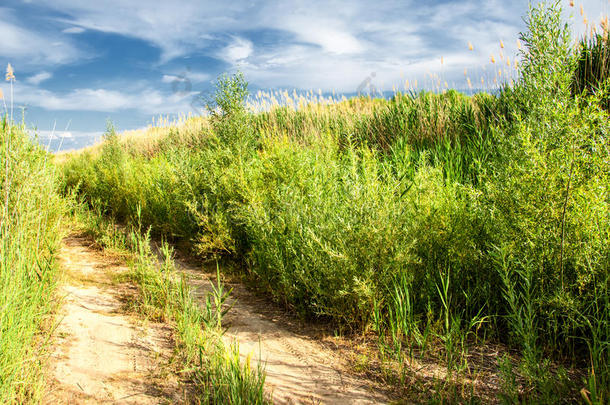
x: 299, y: 369
x: 100, y: 354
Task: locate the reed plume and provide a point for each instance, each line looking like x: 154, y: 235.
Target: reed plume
x: 10, y: 77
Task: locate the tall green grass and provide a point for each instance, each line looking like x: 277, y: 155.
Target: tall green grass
x: 215, y: 368
x: 30, y: 217
x: 593, y: 67
x: 426, y: 218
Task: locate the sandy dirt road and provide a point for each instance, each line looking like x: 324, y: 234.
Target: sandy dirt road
x: 299, y: 369
x: 101, y: 353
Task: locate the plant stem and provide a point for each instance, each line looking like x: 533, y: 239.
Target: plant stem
x: 563, y: 220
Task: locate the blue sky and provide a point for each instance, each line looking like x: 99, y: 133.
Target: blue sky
x: 81, y: 63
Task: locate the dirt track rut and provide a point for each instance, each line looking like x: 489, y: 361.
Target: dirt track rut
x: 101, y: 354
x: 299, y: 369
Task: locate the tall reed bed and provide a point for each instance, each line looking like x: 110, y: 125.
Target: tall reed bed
x: 30, y: 215
x: 593, y: 67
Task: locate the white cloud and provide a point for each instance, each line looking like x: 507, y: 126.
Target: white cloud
x: 238, y: 50
x: 352, y: 35
x: 23, y: 46
x: 327, y: 33
x: 138, y: 98
x: 169, y: 78
x: 74, y: 30
x: 52, y: 135
x: 39, y: 78
x: 181, y: 29
x: 98, y: 100
x: 339, y: 45
x: 310, y: 44
x: 55, y: 141
x: 191, y: 76
x: 177, y: 29
x: 198, y: 77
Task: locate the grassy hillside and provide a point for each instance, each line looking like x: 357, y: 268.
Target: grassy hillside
x: 30, y: 213
x: 428, y: 218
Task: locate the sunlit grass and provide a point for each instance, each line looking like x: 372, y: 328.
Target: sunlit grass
x: 30, y: 213
x: 430, y: 218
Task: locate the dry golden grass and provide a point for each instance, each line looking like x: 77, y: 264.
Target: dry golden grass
x: 146, y: 140
x: 315, y: 107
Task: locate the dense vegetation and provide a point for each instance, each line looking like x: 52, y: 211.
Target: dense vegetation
x: 593, y: 66
x: 429, y: 216
x: 30, y: 213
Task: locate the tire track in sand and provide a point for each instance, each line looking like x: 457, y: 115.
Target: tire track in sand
x: 100, y: 355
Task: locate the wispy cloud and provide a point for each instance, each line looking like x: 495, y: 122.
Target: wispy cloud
x: 145, y: 100
x: 39, y: 78
x: 194, y: 77
x: 177, y: 29
x: 24, y: 46
x: 68, y: 134
x: 73, y: 30
x: 327, y: 33
x: 238, y: 50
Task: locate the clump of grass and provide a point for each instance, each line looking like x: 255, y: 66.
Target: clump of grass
x: 591, y: 73
x: 30, y: 230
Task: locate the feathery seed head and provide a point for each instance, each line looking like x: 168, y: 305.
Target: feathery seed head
x: 10, y: 73
x: 470, y: 47
x: 604, y: 23
x: 249, y: 361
